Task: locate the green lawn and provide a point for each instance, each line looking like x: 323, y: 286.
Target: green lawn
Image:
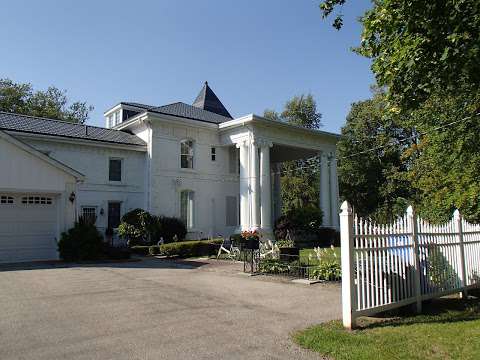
x: 449, y: 329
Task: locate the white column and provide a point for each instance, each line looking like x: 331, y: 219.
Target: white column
x: 277, y: 190
x: 244, y: 174
x: 265, y: 188
x: 254, y: 186
x: 324, y: 190
x: 334, y: 192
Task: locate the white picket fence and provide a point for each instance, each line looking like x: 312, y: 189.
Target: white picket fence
x: 406, y: 262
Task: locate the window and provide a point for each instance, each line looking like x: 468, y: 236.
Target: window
x: 186, y: 154
x: 114, y: 118
x: 115, y: 170
x: 113, y: 214
x: 90, y: 212
x: 39, y: 200
x: 214, y: 153
x: 231, y: 213
x: 186, y: 208
x: 4, y: 199
x: 233, y: 160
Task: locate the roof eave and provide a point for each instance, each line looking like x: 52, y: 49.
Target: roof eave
x: 252, y: 118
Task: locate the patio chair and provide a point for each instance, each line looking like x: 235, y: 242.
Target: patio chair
x: 227, y: 247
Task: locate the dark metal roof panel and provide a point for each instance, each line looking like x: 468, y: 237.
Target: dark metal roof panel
x: 207, y: 100
x: 183, y: 110
x: 37, y: 125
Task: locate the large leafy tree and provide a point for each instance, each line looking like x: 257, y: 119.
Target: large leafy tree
x: 371, y: 171
x: 299, y: 179
x: 51, y: 103
x: 446, y: 161
x: 427, y: 56
x: 419, y: 46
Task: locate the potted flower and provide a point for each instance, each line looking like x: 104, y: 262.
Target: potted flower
x: 252, y: 239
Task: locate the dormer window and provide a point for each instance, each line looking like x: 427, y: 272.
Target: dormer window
x: 114, y: 118
x: 186, y: 154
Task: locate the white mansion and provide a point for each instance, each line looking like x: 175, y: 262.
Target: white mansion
x: 217, y: 173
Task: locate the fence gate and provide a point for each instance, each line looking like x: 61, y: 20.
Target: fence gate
x: 386, y: 266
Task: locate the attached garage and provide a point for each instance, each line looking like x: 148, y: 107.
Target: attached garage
x: 35, y: 202
x: 28, y: 227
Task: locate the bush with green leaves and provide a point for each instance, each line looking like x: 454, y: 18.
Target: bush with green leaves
x: 273, y: 266
x: 140, y: 227
x: 169, y: 227
x: 190, y: 248
x: 329, y: 266
x: 299, y: 220
x: 285, y: 243
x: 82, y: 242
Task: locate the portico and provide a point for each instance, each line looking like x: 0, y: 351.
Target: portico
x: 263, y: 145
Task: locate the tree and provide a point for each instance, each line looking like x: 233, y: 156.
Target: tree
x: 52, y: 103
x: 446, y: 161
x: 299, y: 180
x: 427, y: 55
x: 420, y: 46
x: 372, y: 175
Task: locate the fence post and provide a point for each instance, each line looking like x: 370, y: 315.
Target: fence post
x: 413, y: 226
x: 348, y: 281
x: 463, y: 273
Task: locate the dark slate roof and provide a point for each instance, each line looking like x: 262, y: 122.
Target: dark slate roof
x: 37, y: 125
x: 183, y: 110
x: 207, y: 100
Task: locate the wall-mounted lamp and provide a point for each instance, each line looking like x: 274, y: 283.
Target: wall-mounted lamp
x: 102, y: 211
x: 72, y: 197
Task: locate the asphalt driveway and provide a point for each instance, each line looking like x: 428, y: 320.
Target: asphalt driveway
x: 156, y: 309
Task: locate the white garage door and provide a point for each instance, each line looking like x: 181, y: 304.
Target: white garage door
x: 28, y: 225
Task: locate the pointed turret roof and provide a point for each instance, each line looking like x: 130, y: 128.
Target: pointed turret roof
x: 207, y: 100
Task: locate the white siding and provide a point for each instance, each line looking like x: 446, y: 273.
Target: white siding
x: 97, y: 190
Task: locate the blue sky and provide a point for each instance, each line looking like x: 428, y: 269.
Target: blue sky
x: 254, y: 54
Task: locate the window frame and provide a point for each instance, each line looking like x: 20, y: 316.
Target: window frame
x: 189, y: 218
x: 191, y: 153
x: 7, y: 199
x: 83, y: 207
x: 121, y: 170
x: 37, y: 200
x: 213, y: 153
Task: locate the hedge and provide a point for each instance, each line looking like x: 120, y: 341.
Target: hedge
x: 181, y: 248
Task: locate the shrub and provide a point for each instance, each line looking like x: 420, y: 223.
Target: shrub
x: 140, y: 250
x: 306, y: 219
x: 327, y: 270
x: 329, y: 267
x: 273, y: 266
x: 154, y: 250
x: 82, y: 242
x: 138, y: 227
x: 285, y: 243
x: 190, y: 248
x: 171, y: 227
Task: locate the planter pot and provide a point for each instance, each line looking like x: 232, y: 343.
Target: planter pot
x: 289, y: 254
x: 252, y: 244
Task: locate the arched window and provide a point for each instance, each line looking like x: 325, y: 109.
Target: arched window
x: 186, y: 154
x: 187, y: 208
